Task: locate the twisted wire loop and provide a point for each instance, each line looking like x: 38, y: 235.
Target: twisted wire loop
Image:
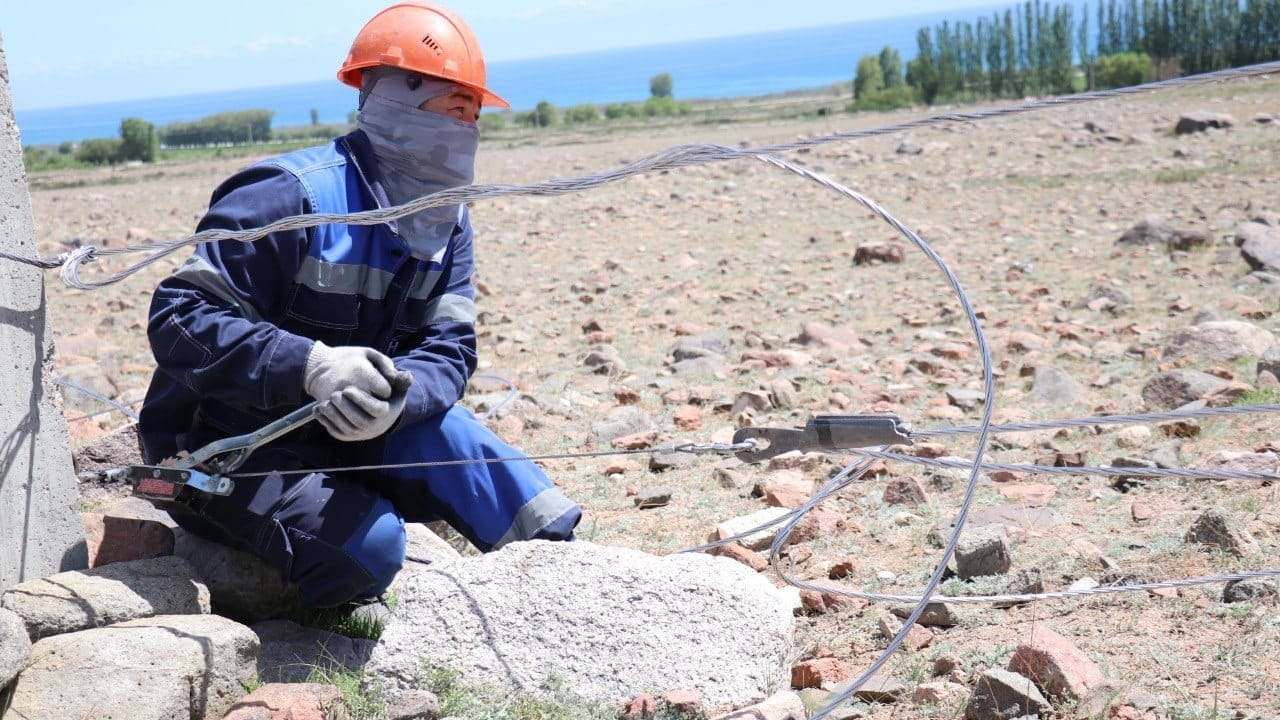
x: 674, y: 157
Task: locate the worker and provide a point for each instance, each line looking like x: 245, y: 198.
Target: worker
x: 374, y: 322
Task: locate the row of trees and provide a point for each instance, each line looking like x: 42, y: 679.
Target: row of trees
x: 242, y: 126
x: 1041, y: 47
x: 140, y: 140
x: 661, y: 103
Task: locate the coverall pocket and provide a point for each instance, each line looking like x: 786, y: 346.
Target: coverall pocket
x: 330, y: 318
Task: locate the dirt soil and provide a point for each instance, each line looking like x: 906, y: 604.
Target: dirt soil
x: 1026, y: 210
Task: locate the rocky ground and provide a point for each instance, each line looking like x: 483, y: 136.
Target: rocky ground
x: 682, y: 305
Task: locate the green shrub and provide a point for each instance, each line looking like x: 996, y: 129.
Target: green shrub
x: 617, y: 111
x: 665, y: 107
x: 869, y: 79
x: 661, y: 85
x: 1123, y: 70
x: 138, y: 140
x: 887, y: 99
x: 492, y: 122
x: 584, y: 113
x: 100, y: 151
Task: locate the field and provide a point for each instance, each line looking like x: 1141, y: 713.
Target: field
x: 585, y: 296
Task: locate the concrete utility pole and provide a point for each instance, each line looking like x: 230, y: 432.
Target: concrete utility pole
x: 40, y: 528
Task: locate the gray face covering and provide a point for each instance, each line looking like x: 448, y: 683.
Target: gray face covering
x: 418, y: 153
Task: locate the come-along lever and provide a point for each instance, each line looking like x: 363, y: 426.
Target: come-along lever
x: 190, y: 481
x: 824, y: 432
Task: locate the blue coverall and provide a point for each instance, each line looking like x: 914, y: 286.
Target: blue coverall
x: 231, y: 331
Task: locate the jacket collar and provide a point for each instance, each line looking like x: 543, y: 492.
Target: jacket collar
x: 360, y: 151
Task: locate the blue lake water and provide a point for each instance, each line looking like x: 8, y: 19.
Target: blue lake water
x: 716, y: 68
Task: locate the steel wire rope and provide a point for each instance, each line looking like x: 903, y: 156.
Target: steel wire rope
x: 1117, y: 419
x: 115, y: 406
x: 678, y: 156
x: 1083, y: 470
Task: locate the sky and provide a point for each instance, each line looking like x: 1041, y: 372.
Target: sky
x: 63, y: 53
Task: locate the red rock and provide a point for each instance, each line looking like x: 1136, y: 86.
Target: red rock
x: 112, y: 539
x: 289, y: 701
x: 690, y: 328
x: 818, y: 522
x: 787, y: 489
x: 734, y: 551
x: 625, y: 395
x: 619, y: 466
x: 815, y: 334
x: 1056, y: 666
x: 688, y: 417
x: 636, y: 441
x: 1030, y: 494
x: 642, y: 707
x: 818, y: 672
x: 917, y: 637
x: 688, y: 702
x: 905, y: 491
x: 1141, y: 512
x: 819, y: 601
x: 843, y: 569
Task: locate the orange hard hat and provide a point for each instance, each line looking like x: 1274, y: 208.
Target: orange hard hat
x: 424, y: 38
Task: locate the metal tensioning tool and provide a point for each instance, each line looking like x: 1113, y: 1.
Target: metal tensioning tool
x: 824, y: 432
x: 190, y: 481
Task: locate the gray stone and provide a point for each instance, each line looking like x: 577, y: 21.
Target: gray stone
x: 1125, y: 483
x: 603, y: 620
x: 423, y: 547
x: 241, y: 586
x: 1149, y: 231
x: 982, y: 551
x: 1217, y: 528
x: 1004, y: 695
x: 1176, y: 388
x: 703, y: 367
x: 40, y: 531
x: 1202, y: 120
x: 1270, y: 362
x: 966, y: 399
x: 877, y: 688
x: 414, y: 705
x: 160, y: 668
x: 1226, y: 341
x: 1259, y: 246
x: 783, y: 394
x: 653, y: 497
x: 625, y: 420
x: 1187, y: 239
x: 14, y: 645
x: 1055, y: 386
x: 288, y: 651
x: 760, y: 528
x: 664, y: 461
x: 1115, y: 296
x: 82, y: 599
x: 1245, y: 591
x: 785, y: 705
x: 690, y: 347
x: 936, y: 614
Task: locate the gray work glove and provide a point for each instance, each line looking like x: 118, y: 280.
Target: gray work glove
x: 360, y: 391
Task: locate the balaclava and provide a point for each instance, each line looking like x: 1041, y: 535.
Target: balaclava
x: 418, y: 152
